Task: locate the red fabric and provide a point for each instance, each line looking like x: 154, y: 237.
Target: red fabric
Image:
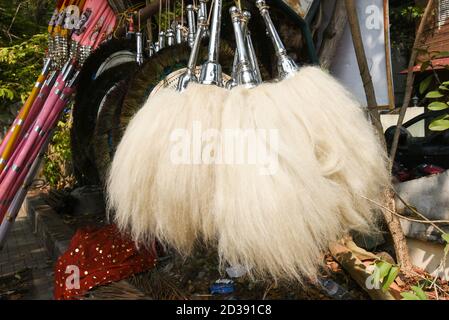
x: 102, y: 255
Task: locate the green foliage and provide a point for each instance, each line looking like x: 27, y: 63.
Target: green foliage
x: 22, y: 48
x: 20, y: 19
x: 425, y: 84
x: 436, y: 92
x: 437, y: 106
x: 403, y: 16
x: 20, y: 66
x: 385, y: 273
x: 434, y: 95
x: 417, y: 293
x: 57, y: 163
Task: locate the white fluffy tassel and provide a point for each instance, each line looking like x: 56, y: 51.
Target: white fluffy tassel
x: 305, y: 158
x: 278, y: 222
x: 345, y: 141
x: 151, y: 194
x: 330, y: 160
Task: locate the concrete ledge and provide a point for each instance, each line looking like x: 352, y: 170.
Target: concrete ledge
x: 47, y: 225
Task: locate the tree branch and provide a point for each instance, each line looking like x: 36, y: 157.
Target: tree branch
x: 333, y: 34
x: 410, y: 80
x: 393, y: 223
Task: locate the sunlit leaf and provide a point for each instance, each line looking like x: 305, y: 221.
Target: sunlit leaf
x: 409, y: 296
x: 439, y: 125
x: 437, y: 106
x: 434, y: 95
x: 384, y: 268
x: 445, y: 237
x: 420, y: 293
x: 394, y: 271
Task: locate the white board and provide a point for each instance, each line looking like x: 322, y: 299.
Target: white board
x: 374, y: 25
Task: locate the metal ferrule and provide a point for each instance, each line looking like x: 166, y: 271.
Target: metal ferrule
x: 170, y: 35
x: 234, y: 81
x: 211, y: 69
x: 246, y: 16
x: 203, y: 12
x: 150, y: 48
x: 203, y: 8
x: 189, y: 75
x: 73, y: 82
x: 179, y: 37
x: 245, y: 73
x: 191, y: 23
x: 65, y: 66
x: 47, y: 67
x: 68, y: 72
x: 156, y: 47
x: 286, y: 66
x: 161, y: 40
x: 139, y: 51
x: 51, y: 79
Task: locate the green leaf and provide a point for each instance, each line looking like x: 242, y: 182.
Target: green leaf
x: 445, y: 83
x: 384, y: 269
x: 394, y: 271
x: 444, y: 88
x: 425, y: 84
x: 445, y: 237
x: 437, y: 106
x: 442, y: 54
x: 425, y: 65
x: 409, y: 296
x: 439, y: 125
x: 434, y: 95
x: 420, y: 293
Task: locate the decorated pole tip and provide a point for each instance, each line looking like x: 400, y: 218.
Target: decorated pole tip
x: 286, y: 65
x: 170, y: 35
x: 211, y: 72
x: 261, y: 5
x: 245, y: 73
x: 179, y: 37
x: 189, y: 75
x: 161, y: 40
x: 191, y: 24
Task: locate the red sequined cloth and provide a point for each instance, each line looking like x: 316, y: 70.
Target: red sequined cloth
x: 98, y: 256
